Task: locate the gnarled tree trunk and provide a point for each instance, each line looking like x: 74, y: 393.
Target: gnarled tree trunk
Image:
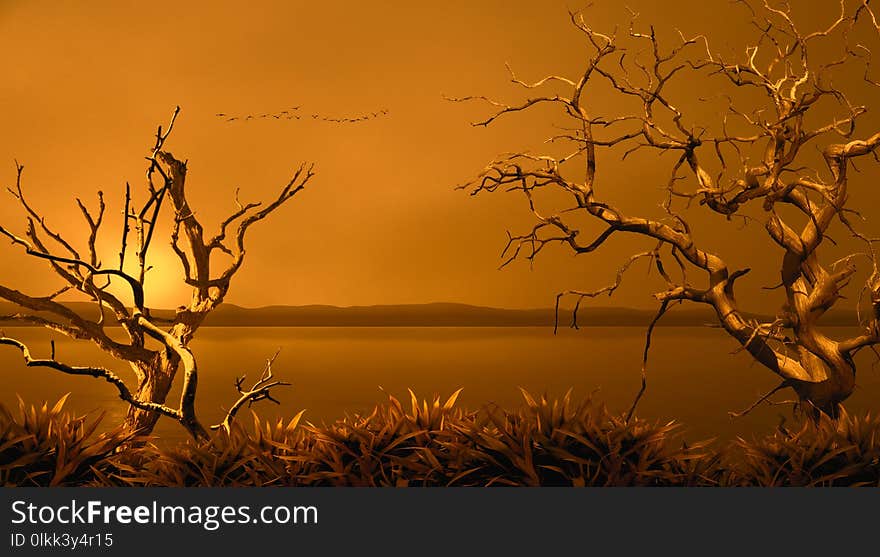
x: 155, y: 380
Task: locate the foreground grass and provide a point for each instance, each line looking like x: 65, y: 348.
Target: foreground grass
x: 436, y: 443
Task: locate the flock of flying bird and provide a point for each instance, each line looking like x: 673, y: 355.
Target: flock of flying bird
x: 293, y: 114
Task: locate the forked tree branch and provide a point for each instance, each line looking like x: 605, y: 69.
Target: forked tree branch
x: 260, y: 390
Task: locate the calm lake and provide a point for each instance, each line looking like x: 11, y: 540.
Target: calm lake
x: 693, y: 379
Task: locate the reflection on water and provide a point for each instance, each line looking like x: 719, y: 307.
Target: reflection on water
x: 693, y: 377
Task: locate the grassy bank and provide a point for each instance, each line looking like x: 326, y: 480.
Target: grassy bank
x: 436, y: 443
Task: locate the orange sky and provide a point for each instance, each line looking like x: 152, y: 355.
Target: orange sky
x: 85, y: 84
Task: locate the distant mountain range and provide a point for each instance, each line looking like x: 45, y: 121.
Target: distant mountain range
x: 438, y: 315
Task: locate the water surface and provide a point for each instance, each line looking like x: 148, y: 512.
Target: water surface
x: 693, y: 376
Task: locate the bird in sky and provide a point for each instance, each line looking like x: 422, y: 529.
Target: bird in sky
x: 288, y: 114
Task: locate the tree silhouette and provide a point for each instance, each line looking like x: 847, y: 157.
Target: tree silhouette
x: 779, y: 103
x: 154, y: 348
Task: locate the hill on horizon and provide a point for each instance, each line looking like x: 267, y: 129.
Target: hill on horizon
x: 437, y: 314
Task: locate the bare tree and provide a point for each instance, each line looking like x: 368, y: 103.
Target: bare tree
x: 154, y: 348
x: 779, y: 107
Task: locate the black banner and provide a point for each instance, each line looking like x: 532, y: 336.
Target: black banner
x: 448, y: 521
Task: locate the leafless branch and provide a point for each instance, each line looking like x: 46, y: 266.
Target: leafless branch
x: 260, y: 390
x: 97, y: 372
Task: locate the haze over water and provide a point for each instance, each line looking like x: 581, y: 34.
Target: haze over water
x: 692, y: 376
